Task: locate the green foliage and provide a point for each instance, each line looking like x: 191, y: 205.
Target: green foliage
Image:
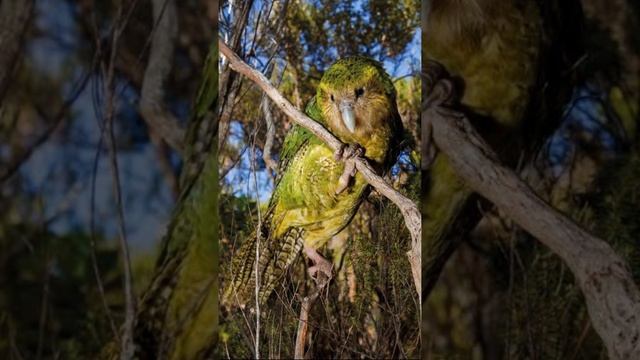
x: 548, y: 314
x: 617, y: 209
x: 49, y: 304
x: 373, y: 28
x: 370, y: 309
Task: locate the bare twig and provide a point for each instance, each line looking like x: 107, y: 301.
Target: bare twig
x: 258, y: 239
x: 265, y: 105
x: 303, y: 321
x: 94, y: 247
x: 612, y: 298
x: 409, y: 210
x: 44, y: 304
x: 230, y: 84
x: 9, y: 169
x: 108, y: 70
x: 271, y: 133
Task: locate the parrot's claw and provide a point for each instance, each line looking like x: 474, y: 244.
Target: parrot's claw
x: 326, y: 269
x: 442, y: 93
x: 347, y: 174
x: 347, y: 153
x: 322, y: 269
x: 439, y: 86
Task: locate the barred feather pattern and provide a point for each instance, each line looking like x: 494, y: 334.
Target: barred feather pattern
x: 275, y: 256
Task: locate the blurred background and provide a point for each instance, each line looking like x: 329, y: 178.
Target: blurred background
x: 371, y: 310
x: 73, y: 72
x: 503, y: 295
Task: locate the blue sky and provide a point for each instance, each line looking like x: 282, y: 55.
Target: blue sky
x: 60, y: 171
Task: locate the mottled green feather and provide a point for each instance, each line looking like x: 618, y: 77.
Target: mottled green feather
x: 304, y: 209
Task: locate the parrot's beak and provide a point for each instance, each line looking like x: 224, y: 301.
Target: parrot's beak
x: 348, y: 115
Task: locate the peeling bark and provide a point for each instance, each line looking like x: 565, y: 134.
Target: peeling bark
x: 612, y: 298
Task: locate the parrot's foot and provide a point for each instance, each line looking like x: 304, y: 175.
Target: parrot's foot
x: 322, y: 269
x: 347, y: 153
x: 441, y: 92
x: 439, y: 86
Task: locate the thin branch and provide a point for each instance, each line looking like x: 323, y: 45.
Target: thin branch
x: 94, y: 246
x: 303, y: 321
x: 258, y: 236
x: 409, y: 210
x: 612, y: 298
x: 127, y: 348
x: 271, y: 134
x: 230, y: 84
x: 8, y: 170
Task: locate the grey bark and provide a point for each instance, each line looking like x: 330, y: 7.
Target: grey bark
x: 159, y: 119
x: 612, y: 298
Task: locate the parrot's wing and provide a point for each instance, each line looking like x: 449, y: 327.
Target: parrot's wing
x: 308, y: 173
x: 297, y: 138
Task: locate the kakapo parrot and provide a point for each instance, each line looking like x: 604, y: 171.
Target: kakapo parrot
x: 510, y: 62
x: 356, y: 102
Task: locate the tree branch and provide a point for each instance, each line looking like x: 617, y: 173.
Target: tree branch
x: 409, y: 210
x: 612, y: 298
x: 271, y: 134
x: 13, y: 165
x: 160, y: 120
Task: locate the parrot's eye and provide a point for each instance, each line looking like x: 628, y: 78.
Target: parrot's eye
x: 332, y: 99
x: 359, y: 92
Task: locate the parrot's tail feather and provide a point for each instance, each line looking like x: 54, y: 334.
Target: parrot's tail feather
x: 274, y: 267
x: 275, y: 257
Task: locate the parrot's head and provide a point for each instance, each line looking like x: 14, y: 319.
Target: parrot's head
x: 356, y: 97
x: 462, y: 22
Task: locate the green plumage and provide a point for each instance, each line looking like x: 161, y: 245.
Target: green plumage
x: 304, y: 209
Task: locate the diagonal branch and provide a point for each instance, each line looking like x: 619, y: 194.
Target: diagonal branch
x: 612, y: 298
x: 409, y: 210
x: 9, y: 169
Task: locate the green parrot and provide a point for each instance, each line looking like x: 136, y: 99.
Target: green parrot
x: 509, y: 59
x: 356, y: 101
